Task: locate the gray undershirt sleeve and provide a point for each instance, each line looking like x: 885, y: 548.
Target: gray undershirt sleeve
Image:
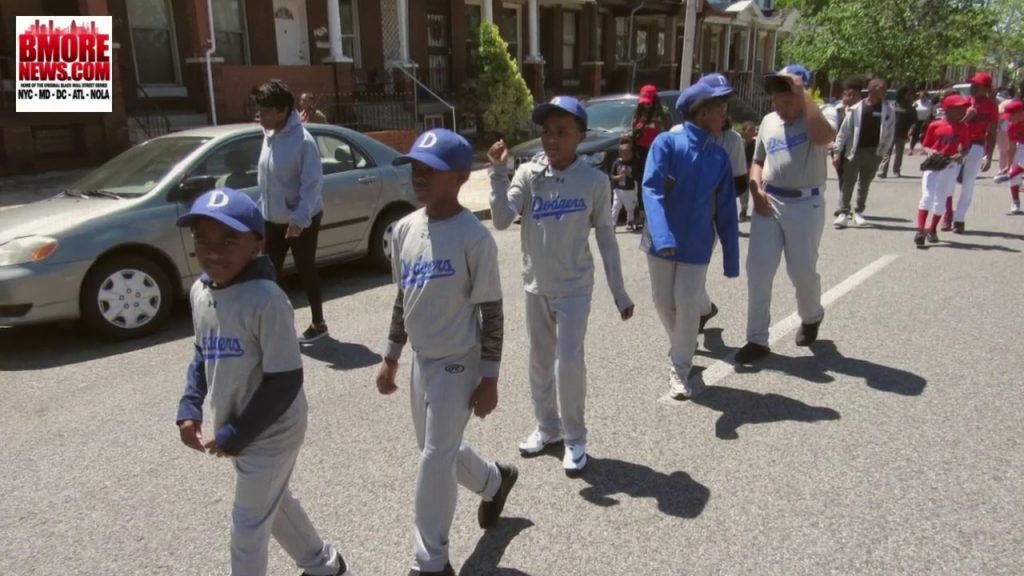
x: 397, y: 336
x: 491, y: 338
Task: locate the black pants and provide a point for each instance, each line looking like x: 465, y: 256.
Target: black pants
x: 304, y: 253
x: 639, y: 164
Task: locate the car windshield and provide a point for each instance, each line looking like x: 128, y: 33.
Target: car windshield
x: 137, y: 170
x: 610, y: 115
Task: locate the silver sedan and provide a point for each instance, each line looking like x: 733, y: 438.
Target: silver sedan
x: 107, y: 249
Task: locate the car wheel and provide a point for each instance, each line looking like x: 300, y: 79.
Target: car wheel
x: 126, y: 297
x: 380, y: 239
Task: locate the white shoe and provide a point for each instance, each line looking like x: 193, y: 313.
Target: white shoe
x: 677, y: 388
x: 1015, y: 209
x: 575, y: 459
x: 841, y: 221
x: 858, y: 219
x: 537, y: 442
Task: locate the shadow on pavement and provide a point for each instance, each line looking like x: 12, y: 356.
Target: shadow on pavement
x: 491, y: 547
x: 885, y: 219
x: 973, y: 247
x: 827, y: 358
x: 739, y: 407
x: 714, y: 345
x: 677, y: 494
x: 993, y: 234
x: 341, y: 355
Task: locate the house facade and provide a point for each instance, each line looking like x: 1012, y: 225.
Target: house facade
x: 372, y: 64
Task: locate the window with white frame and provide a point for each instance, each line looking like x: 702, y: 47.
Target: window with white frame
x: 569, y: 20
x: 473, y: 20
x: 510, y: 30
x: 152, y: 32
x: 350, y: 29
x: 641, y: 46
x: 661, y: 46
x: 621, y: 40
x: 229, y: 29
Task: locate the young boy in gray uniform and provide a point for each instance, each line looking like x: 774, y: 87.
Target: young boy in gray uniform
x: 787, y: 182
x: 448, y: 307
x: 560, y: 198
x: 247, y: 361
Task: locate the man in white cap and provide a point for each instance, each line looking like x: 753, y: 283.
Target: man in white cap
x: 787, y: 183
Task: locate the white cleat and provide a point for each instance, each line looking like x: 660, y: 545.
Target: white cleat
x: 575, y: 459
x: 537, y: 442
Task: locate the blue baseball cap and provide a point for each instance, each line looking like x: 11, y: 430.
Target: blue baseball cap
x: 566, y: 104
x: 442, y: 150
x: 718, y: 82
x: 230, y: 207
x: 780, y: 81
x: 699, y: 92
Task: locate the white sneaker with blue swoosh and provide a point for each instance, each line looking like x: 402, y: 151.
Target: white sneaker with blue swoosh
x: 575, y: 459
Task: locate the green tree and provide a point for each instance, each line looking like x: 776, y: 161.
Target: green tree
x: 496, y: 92
x: 1006, y: 50
x: 907, y: 41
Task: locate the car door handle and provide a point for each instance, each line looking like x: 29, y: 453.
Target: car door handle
x: 367, y: 179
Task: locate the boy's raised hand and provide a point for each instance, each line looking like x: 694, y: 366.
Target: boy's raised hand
x: 498, y: 153
x: 485, y: 397
x: 191, y: 432
x: 386, y: 377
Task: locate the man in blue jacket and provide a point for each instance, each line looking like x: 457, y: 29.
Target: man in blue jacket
x: 689, y: 195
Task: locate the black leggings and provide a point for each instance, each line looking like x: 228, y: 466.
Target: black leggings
x: 304, y: 253
x: 639, y: 164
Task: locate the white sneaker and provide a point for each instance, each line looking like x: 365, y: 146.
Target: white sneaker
x: 575, y: 459
x: 858, y: 219
x: 537, y: 442
x: 841, y: 221
x: 677, y: 388
x: 1015, y: 209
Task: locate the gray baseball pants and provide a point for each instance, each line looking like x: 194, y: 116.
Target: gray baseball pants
x: 264, y: 507
x: 557, y: 329
x: 441, y: 390
x: 795, y: 229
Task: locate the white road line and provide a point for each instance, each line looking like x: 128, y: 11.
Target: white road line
x: 727, y: 366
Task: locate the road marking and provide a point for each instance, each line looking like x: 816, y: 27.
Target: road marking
x: 727, y: 366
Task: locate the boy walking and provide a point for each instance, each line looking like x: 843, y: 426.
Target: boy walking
x: 448, y: 308
x: 690, y: 196
x: 247, y: 361
x: 560, y: 198
x: 947, y: 137
x: 624, y: 185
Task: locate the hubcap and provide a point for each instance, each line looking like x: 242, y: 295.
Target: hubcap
x: 129, y: 298
x: 386, y: 241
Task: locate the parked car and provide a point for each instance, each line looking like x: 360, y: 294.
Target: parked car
x: 107, y: 249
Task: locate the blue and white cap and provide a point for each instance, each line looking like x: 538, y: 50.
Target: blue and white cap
x: 442, y: 150
x: 780, y: 81
x: 228, y: 206
x: 701, y: 91
x: 566, y: 104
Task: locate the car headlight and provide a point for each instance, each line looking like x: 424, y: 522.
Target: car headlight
x: 27, y: 249
x: 595, y: 159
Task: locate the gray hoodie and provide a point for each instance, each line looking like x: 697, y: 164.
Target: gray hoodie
x: 290, y: 175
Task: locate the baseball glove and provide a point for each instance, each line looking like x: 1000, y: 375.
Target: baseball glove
x: 935, y: 162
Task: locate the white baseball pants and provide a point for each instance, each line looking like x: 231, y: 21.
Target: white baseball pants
x: 972, y: 168
x: 557, y: 329
x: 623, y: 199
x: 1018, y: 160
x: 936, y: 186
x: 441, y: 390
x: 796, y: 231
x: 264, y: 507
x: 679, y: 297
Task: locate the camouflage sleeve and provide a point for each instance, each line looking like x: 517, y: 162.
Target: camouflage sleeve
x: 491, y: 336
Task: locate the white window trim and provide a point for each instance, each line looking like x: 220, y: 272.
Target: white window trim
x: 577, y: 16
x: 357, y: 56
x: 519, y: 30
x: 246, y: 55
x: 176, y: 89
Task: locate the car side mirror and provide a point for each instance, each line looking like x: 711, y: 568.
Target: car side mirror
x: 190, y: 188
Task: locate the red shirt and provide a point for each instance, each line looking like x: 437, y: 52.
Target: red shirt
x: 1016, y: 132
x: 986, y: 114
x: 945, y: 137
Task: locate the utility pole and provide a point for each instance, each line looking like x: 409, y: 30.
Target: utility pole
x: 689, y: 40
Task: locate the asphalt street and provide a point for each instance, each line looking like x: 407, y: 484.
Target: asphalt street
x: 892, y: 446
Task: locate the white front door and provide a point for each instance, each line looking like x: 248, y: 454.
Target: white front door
x: 290, y: 25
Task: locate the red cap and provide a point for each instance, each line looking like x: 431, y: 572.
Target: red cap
x: 650, y: 91
x: 1013, y: 106
x: 982, y: 78
x: 955, y: 101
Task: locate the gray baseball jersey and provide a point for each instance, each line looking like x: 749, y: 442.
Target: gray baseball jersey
x: 731, y: 141
x: 446, y: 269
x: 558, y: 210
x: 790, y: 159
x: 244, y: 331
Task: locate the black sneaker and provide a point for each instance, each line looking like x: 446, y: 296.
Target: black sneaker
x: 704, y: 319
x: 751, y: 353
x: 919, y: 238
x: 958, y: 227
x: 342, y: 568
x: 933, y: 237
x: 313, y: 333
x: 448, y: 571
x: 807, y: 334
x: 489, y: 512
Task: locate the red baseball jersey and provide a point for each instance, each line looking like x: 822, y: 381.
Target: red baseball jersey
x: 986, y: 114
x: 1016, y: 132
x: 946, y: 137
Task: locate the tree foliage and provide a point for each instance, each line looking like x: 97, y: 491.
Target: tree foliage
x: 907, y: 41
x: 1006, y: 50
x: 497, y: 92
